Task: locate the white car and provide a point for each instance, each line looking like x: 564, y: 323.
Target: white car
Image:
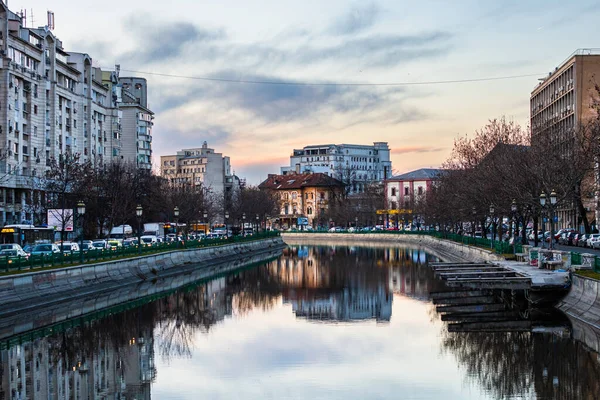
x: 594, y: 240
x: 69, y: 247
x: 149, y: 240
x: 11, y: 246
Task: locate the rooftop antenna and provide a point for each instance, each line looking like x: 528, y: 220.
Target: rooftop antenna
x: 32, y: 20
x: 23, y: 16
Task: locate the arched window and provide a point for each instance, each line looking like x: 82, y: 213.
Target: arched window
x: 294, y: 195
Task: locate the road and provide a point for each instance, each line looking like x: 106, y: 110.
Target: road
x: 574, y: 249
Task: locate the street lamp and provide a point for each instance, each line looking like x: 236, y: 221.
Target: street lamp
x: 513, y: 209
x: 493, y: 225
x: 257, y: 223
x: 176, y: 215
x: 474, y: 210
x: 138, y: 213
x: 355, y: 222
x: 80, y: 213
x: 226, y: 228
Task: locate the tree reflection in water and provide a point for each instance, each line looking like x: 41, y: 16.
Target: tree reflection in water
x: 526, y: 364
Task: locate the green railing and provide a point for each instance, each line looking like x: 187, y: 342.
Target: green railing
x: 498, y: 246
x: 35, y: 262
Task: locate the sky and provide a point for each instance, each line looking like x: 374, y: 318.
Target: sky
x: 378, y: 42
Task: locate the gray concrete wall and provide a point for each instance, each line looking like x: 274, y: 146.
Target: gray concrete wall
x: 583, y: 303
x: 446, y: 250
x: 29, y: 291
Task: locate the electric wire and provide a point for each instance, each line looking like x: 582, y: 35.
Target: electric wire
x: 300, y: 83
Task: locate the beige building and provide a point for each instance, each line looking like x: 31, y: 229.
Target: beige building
x: 307, y: 195
x: 561, y: 103
x: 199, y: 167
x: 54, y: 103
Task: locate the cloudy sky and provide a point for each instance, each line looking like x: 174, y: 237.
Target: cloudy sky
x: 336, y: 41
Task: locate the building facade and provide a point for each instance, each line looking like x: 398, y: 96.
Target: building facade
x: 199, y: 167
x: 137, y: 121
x: 307, y: 195
x: 355, y: 165
x: 404, y: 191
x: 561, y: 103
x: 54, y: 103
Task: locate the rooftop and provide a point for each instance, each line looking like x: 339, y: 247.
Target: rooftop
x: 423, y: 173
x: 299, y: 181
x: 578, y: 52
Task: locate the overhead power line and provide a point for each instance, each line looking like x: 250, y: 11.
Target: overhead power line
x: 299, y: 83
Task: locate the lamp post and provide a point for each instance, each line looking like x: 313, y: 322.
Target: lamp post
x: 138, y: 213
x: 474, y: 211
x: 257, y: 223
x: 493, y: 225
x: 243, y: 224
x: 80, y: 213
x: 176, y: 215
x: 205, y: 216
x: 226, y: 228
x: 513, y: 209
x: 355, y: 222
x: 543, y: 202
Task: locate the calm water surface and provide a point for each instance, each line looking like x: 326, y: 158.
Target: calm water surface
x: 321, y: 322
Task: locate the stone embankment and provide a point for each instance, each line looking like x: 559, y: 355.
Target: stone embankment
x: 443, y: 249
x: 141, y: 276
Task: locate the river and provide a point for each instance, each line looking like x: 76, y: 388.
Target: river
x: 320, y: 322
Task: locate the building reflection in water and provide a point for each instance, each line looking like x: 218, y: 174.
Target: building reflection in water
x: 82, y: 363
x: 113, y: 356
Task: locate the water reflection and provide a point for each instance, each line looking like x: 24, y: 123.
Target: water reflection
x: 345, y: 290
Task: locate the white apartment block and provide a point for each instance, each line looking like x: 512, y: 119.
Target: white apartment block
x: 357, y: 165
x: 53, y: 103
x: 199, y: 166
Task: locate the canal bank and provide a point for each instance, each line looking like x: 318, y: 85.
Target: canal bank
x: 29, y: 291
x: 443, y: 249
x: 581, y: 304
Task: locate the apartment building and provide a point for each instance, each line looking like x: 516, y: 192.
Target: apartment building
x: 355, y: 165
x: 137, y: 121
x: 560, y: 103
x: 53, y: 103
x: 199, y: 167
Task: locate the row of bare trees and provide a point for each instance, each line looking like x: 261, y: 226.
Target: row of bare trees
x: 112, y: 192
x: 502, y: 165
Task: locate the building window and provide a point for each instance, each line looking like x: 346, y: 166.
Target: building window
x: 286, y: 209
x: 394, y: 205
x: 406, y: 191
x: 309, y: 210
x: 393, y: 191
x: 420, y: 190
x: 322, y: 195
x: 294, y: 196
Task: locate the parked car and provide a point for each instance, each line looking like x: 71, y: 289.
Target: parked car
x: 594, y: 241
x: 10, y: 246
x: 12, y: 254
x: 68, y: 248
x: 99, y: 244
x: 45, y: 249
x: 130, y: 242
x: 149, y: 240
x: 114, y: 244
x: 582, y: 240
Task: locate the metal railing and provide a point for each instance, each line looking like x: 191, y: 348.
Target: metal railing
x: 498, y: 246
x: 55, y: 260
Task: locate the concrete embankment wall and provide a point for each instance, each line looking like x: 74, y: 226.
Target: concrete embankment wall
x: 446, y: 250
x: 29, y: 291
x: 583, y: 304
